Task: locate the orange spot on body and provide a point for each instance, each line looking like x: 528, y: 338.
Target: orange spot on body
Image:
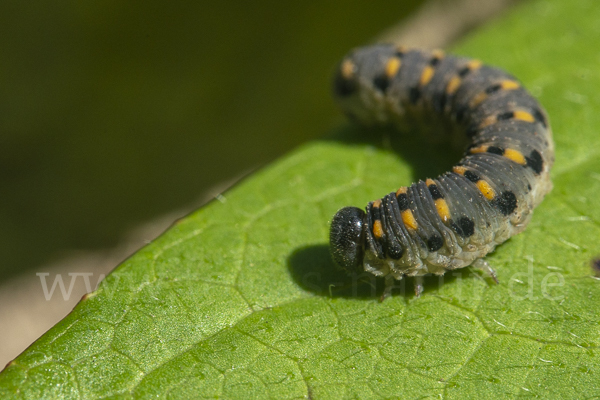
x: 478, y: 99
x: 409, y: 219
x: 485, y: 189
x: 459, y: 170
x: 426, y: 75
x: 515, y: 155
x: 377, y: 229
x: 453, y: 85
x: 523, y: 116
x: 509, y: 85
x: 392, y: 67
x: 442, y: 209
x: 401, y: 49
x: 402, y: 190
x: 439, y: 54
x: 474, y: 64
x: 488, y: 121
x: 479, y: 149
x: 503, y: 85
x: 347, y: 69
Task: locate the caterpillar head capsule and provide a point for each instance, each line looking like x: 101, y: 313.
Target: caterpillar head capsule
x: 346, y: 238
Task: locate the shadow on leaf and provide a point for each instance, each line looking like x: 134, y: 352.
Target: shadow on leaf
x: 313, y: 270
x: 428, y: 159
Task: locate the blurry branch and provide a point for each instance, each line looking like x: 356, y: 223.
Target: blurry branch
x: 440, y: 22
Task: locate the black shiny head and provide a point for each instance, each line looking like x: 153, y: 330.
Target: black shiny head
x: 346, y: 238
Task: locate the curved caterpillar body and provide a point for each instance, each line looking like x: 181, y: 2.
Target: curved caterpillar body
x: 456, y: 219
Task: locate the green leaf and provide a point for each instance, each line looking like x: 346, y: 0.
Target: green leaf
x: 240, y: 299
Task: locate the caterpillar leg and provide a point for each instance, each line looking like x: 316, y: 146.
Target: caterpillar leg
x: 389, y: 285
x: 485, y: 267
x: 418, y: 285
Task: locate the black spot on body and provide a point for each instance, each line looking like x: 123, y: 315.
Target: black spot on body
x: 464, y: 71
x: 435, y: 242
x: 472, y: 176
x: 506, y: 202
x: 537, y: 114
x: 402, y: 201
x: 467, y: 225
x: 395, y: 250
x: 535, y: 161
x: 505, y: 116
x: 495, y: 150
x: 376, y: 214
x: 435, y: 61
x: 464, y: 227
x: 435, y: 192
x: 381, y: 82
x: 493, y: 89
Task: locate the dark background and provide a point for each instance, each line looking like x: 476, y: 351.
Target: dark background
x: 113, y: 112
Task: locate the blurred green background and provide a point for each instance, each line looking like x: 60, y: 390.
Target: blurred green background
x: 113, y: 112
